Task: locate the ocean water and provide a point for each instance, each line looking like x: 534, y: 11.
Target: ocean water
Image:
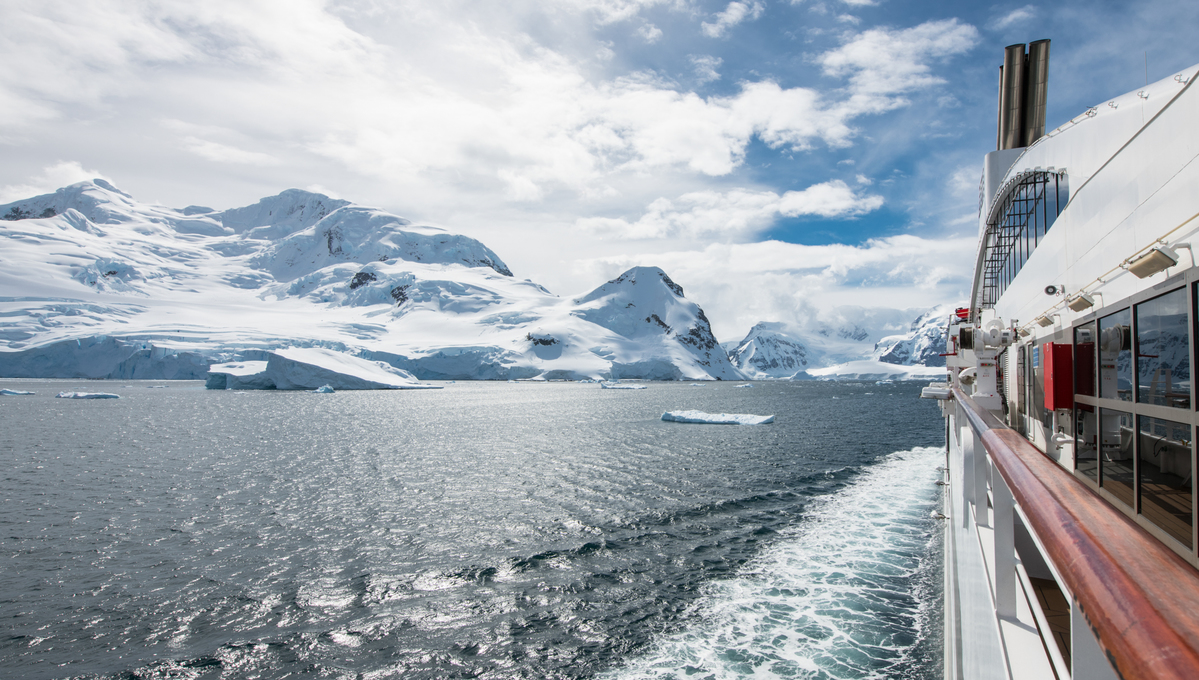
x: 486, y: 530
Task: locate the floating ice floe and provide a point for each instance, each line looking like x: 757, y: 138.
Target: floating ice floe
x: 620, y: 386
x: 87, y: 395
x: 13, y: 393
x: 309, y: 368
x: 716, y: 418
x: 324, y: 389
x: 745, y: 385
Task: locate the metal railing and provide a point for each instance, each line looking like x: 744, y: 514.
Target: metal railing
x: 1139, y: 598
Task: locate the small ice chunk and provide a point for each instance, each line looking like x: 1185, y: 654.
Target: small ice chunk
x: 87, y: 395
x: 620, y: 386
x: 716, y: 418
x: 745, y: 385
x: 13, y: 393
x: 324, y: 389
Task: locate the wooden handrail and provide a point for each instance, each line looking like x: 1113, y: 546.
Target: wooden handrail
x: 1140, y: 598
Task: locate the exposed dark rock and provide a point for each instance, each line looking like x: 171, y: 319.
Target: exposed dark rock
x: 14, y: 213
x: 361, y: 279
x: 545, y: 340
x: 48, y: 212
x: 700, y: 335
x: 676, y: 288
x: 332, y: 234
x: 400, y: 294
x: 653, y: 318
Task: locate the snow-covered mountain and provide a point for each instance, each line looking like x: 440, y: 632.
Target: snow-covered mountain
x: 94, y: 283
x: 776, y: 350
x: 923, y: 345
x: 769, y: 351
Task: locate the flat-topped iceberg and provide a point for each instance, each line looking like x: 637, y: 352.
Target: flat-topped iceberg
x: 311, y: 368
x: 13, y: 393
x: 716, y: 418
x: 620, y: 386
x: 87, y: 395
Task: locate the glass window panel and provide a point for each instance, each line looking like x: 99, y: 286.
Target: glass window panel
x: 1164, y: 351
x: 1086, y: 444
x: 1166, y: 482
x: 1115, y: 454
x: 1115, y: 356
x: 1084, y: 360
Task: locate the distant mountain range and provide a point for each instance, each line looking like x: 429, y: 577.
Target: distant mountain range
x: 96, y: 284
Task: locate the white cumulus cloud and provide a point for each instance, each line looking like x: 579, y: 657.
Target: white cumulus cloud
x: 51, y: 178
x: 735, y: 13
x: 731, y: 214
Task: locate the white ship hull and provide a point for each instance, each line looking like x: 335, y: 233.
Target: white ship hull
x: 1070, y: 527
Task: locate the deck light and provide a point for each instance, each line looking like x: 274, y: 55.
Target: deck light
x: 1025, y: 332
x: 1153, y: 262
x: 1045, y: 321
x: 1080, y: 302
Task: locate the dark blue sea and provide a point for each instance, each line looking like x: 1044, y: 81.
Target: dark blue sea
x: 485, y: 530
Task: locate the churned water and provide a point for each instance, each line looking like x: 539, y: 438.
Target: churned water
x: 489, y: 530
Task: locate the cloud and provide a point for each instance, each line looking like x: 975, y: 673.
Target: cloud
x: 222, y: 153
x: 705, y: 67
x: 650, y: 33
x: 735, y: 13
x: 1014, y: 17
x: 731, y: 214
x: 51, y: 178
x: 883, y: 64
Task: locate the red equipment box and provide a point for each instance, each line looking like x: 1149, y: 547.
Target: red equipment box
x: 1059, y: 375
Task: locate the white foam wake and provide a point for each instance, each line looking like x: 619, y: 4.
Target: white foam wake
x: 846, y: 595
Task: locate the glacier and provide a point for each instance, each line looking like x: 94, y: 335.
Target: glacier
x: 96, y: 284
x: 312, y: 369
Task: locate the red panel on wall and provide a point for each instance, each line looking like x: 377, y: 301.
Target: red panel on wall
x: 1059, y: 375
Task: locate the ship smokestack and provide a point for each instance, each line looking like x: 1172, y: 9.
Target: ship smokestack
x: 1023, y: 90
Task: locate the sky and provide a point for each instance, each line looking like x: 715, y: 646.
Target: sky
x: 803, y: 161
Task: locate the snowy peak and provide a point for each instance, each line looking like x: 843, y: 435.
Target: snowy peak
x: 278, y: 216
x: 920, y: 346
x: 644, y: 303
x: 98, y: 200
x: 769, y: 351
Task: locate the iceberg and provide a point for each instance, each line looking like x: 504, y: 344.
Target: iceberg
x: 745, y: 385
x: 310, y: 368
x: 620, y: 386
x: 87, y: 395
x: 716, y: 418
x: 324, y: 389
x: 13, y: 393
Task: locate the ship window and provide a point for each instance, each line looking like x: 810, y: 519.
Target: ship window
x: 1115, y: 356
x: 1016, y: 227
x: 1084, y: 360
x: 1086, y: 457
x: 1116, y: 454
x: 1166, y: 480
x: 1163, y: 351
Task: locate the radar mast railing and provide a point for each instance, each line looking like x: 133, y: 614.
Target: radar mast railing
x: 1138, y: 597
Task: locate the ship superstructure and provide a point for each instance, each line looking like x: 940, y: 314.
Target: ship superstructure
x: 1071, y: 546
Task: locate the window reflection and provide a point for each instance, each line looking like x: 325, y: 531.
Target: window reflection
x: 1115, y: 356
x: 1115, y: 454
x: 1163, y: 351
x: 1086, y: 445
x: 1166, y: 480
x: 1084, y: 360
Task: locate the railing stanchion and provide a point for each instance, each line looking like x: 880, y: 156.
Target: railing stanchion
x: 1005, y: 546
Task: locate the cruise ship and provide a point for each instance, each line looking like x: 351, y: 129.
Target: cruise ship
x: 1069, y: 514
